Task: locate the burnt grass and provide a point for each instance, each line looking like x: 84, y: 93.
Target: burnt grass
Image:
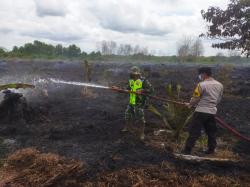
x: 87, y: 126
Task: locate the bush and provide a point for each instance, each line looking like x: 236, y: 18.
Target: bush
x: 174, y: 116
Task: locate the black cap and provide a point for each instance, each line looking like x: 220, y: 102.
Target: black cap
x: 206, y: 70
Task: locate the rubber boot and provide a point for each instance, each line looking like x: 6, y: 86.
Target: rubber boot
x: 126, y: 127
x: 142, y: 135
x: 209, y: 151
x: 186, y: 151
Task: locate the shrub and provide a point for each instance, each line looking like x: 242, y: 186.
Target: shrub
x: 174, y: 116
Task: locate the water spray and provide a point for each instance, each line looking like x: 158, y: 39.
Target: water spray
x: 113, y: 88
x: 78, y: 83
x: 119, y: 90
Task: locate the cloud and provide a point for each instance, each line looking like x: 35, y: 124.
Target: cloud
x: 124, y: 27
x: 50, y: 8
x: 128, y: 18
x: 5, y: 30
x: 157, y: 24
x: 54, y: 36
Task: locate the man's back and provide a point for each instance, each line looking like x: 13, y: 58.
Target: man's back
x: 211, y: 93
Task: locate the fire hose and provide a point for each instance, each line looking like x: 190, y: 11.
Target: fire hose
x: 149, y: 96
x: 218, y: 119
x: 232, y: 130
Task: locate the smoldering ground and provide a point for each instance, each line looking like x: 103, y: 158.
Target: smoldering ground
x: 85, y: 125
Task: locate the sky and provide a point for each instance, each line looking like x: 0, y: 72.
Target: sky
x: 156, y: 24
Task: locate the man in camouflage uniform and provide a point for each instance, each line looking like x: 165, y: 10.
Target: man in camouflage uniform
x: 135, y: 109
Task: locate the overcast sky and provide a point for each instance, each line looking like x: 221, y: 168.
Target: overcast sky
x: 157, y: 24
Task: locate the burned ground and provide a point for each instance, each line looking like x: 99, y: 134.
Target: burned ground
x: 87, y: 127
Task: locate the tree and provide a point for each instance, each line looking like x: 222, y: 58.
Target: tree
x: 144, y: 51
x: 104, y: 47
x: 127, y: 49
x: 184, y: 47
x: 230, y: 26
x: 108, y: 47
x: 41, y: 49
x: 94, y: 54
x: 197, y: 49
x: 137, y: 50
x: 2, y: 51
x: 120, y: 50
x: 112, y: 47
x: 84, y: 54
x: 15, y: 49
x: 74, y: 51
x: 59, y: 50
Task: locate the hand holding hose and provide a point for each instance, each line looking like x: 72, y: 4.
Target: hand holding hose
x: 187, y: 105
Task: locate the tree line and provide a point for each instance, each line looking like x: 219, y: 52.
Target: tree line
x: 112, y: 48
x: 39, y: 49
x: 43, y: 50
x: 190, y: 49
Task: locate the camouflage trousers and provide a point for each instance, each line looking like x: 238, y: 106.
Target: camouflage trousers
x: 135, y: 113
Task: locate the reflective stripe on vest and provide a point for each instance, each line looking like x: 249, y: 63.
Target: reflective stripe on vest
x: 134, y: 86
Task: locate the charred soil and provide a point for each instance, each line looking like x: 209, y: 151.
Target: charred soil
x: 85, y: 125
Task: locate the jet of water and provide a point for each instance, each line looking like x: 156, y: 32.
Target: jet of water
x: 57, y: 81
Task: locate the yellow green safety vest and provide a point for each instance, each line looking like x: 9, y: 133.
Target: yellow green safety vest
x: 134, y: 86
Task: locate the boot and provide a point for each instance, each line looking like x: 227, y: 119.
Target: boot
x: 186, y: 151
x: 142, y: 135
x: 209, y: 151
x: 126, y: 127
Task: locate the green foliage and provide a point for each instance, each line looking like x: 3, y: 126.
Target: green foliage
x: 2, y: 52
x: 174, y: 116
x: 42, y: 50
x: 230, y: 26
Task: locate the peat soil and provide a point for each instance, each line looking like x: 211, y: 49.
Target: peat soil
x: 85, y: 125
